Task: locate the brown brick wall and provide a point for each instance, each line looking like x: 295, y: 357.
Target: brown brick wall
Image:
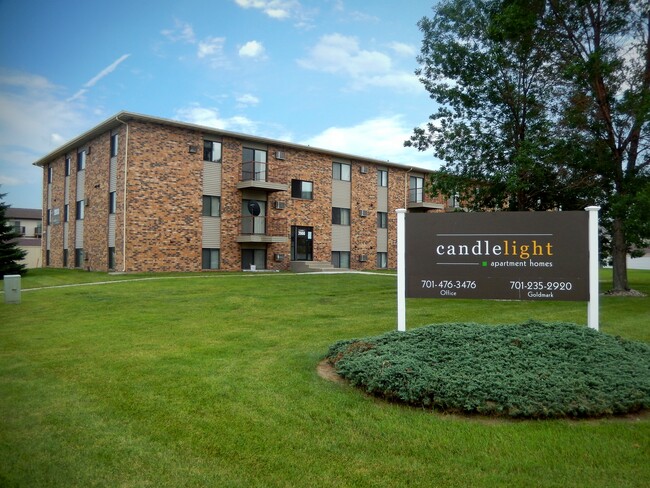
x: 164, y: 201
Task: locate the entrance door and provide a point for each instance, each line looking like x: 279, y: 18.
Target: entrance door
x: 302, y: 243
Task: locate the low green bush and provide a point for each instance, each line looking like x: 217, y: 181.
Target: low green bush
x: 530, y: 370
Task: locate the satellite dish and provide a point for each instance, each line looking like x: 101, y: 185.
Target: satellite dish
x: 254, y: 208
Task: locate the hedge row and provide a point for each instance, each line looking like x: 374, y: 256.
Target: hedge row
x: 530, y: 370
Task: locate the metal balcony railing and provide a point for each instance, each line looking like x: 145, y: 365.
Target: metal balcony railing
x: 253, y: 171
x: 263, y: 226
x: 416, y: 195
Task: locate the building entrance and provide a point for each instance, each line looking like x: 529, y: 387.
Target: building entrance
x: 302, y: 243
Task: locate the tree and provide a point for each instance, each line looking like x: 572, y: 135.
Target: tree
x: 606, y: 59
x: 10, y: 253
x: 513, y: 123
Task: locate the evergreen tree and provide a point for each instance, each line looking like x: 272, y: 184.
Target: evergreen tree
x: 10, y: 253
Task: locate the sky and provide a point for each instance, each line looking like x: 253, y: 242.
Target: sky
x: 333, y: 74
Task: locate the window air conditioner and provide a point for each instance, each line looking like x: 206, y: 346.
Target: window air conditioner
x: 87, y: 202
x: 364, y: 170
x: 278, y: 257
x: 363, y: 213
x: 279, y: 205
x: 279, y: 154
x: 363, y: 258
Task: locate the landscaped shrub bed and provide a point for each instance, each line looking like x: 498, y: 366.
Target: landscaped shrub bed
x: 530, y: 370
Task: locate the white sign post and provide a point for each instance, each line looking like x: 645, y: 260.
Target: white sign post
x: 401, y: 270
x: 594, y: 298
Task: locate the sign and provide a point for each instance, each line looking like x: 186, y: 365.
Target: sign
x: 498, y: 255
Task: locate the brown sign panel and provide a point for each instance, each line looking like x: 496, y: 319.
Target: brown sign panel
x: 498, y: 255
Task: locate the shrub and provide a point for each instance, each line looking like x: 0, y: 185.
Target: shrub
x: 530, y: 370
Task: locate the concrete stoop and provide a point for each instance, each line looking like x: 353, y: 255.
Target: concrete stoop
x: 311, y: 266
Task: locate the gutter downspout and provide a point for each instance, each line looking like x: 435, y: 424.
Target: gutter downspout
x: 406, y: 188
x: 126, y: 171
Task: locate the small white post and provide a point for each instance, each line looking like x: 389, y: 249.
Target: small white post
x: 401, y: 270
x: 594, y: 297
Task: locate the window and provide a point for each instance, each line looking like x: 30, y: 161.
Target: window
x: 80, y: 210
x: 78, y: 257
x: 253, y: 257
x: 382, y: 177
x: 49, y: 174
x: 65, y: 258
x: 341, y: 171
x: 81, y: 160
x: 302, y: 189
x: 382, y: 220
x: 68, y: 163
x: 66, y: 212
x: 416, y: 189
x: 382, y: 260
x: 114, y: 143
x: 211, y: 206
x: 111, y: 258
x: 212, y: 151
x: 210, y: 258
x: 253, y: 164
x: 340, y: 216
x: 112, y: 202
x: 341, y: 259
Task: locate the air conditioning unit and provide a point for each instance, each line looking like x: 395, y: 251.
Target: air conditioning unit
x: 87, y: 202
x: 363, y: 258
x: 279, y: 154
x: 280, y: 205
x: 88, y: 150
x: 364, y: 170
x: 363, y: 213
x: 278, y: 257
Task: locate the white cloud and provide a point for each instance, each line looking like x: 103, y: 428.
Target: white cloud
x: 247, y: 100
x: 380, y: 138
x: 338, y: 54
x: 34, y: 120
x: 276, y: 9
x: 210, y: 117
x: 252, y: 49
x: 211, y: 47
x: 103, y: 73
x: 182, y: 31
x: 403, y: 49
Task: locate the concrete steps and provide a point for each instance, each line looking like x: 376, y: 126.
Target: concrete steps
x: 311, y: 266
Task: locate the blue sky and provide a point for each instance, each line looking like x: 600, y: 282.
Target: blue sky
x: 335, y: 74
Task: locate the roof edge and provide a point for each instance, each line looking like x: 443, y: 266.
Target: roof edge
x: 124, y: 116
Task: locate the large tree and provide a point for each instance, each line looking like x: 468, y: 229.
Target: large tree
x: 514, y: 124
x: 10, y: 253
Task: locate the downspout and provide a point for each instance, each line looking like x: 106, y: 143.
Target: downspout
x: 126, y: 171
x: 406, y: 188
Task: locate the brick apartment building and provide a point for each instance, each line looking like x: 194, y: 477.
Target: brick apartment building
x: 140, y: 193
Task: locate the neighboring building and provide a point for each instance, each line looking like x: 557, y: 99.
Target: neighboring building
x: 28, y: 223
x: 139, y: 193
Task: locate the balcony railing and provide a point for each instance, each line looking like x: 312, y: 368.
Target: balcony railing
x: 254, y: 175
x: 416, y: 195
x: 263, y: 229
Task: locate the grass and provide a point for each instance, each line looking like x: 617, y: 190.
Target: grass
x: 211, y: 380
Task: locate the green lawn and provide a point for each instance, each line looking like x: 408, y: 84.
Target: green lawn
x: 210, y: 380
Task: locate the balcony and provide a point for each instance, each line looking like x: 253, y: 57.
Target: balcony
x: 254, y: 176
x: 262, y: 229
x: 416, y: 201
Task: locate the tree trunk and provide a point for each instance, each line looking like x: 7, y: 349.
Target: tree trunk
x: 619, y: 256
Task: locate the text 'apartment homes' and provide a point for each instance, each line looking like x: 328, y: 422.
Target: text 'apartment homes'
x: 140, y: 193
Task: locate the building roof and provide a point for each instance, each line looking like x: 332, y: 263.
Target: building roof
x: 24, y: 213
x: 123, y: 117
